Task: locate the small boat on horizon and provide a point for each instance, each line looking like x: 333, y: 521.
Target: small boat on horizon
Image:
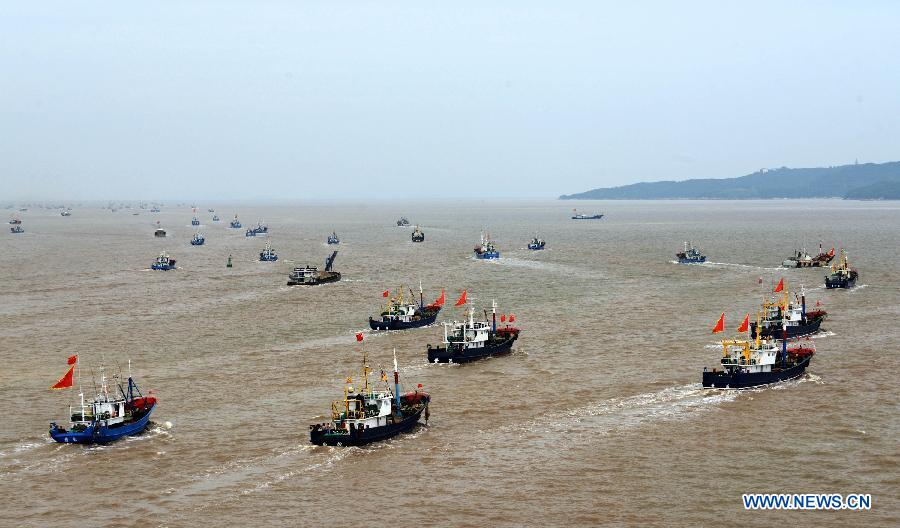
x: 579, y: 216
x: 67, y: 212
x: 403, y: 222
x: 215, y: 218
x: 198, y: 239
x: 418, y: 235
x: 108, y: 416
x: 235, y: 224
x: 333, y: 239
x: 195, y: 221
x: 16, y: 229
x: 260, y: 229
x: 160, y: 232
x: 370, y: 415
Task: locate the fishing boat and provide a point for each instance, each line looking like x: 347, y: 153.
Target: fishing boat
x: 333, y: 239
x: 109, y: 416
x: 268, y: 254
x: 418, y: 235
x: 371, y: 414
x: 235, y: 224
x: 690, y: 255
x: 784, y: 318
x: 581, y: 216
x: 746, y: 363
x: 195, y: 221
x: 311, y: 276
x: 536, y: 244
x: 198, y: 239
x: 469, y: 339
x: 260, y: 229
x: 15, y: 221
x: 210, y: 210
x: 155, y: 209
x: 401, y: 314
x: 402, y: 222
x: 163, y: 262
x: 160, y: 232
x: 66, y: 213
x: 215, y: 218
x: 250, y: 233
x: 16, y: 229
x: 842, y: 275
x: 805, y: 260
x: 486, y: 249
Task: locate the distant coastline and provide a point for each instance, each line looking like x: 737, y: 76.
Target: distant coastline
x: 864, y: 181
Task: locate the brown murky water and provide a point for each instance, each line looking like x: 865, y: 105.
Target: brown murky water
x: 596, y: 418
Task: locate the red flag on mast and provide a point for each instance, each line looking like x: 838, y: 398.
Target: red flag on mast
x: 462, y: 299
x: 512, y: 318
x: 720, y: 326
x: 503, y: 318
x: 385, y: 293
x: 359, y: 336
x: 73, y: 359
x: 780, y: 286
x: 66, y: 381
x: 745, y: 326
x: 831, y: 253
x: 440, y: 300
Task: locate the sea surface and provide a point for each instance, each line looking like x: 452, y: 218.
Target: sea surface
x: 596, y: 418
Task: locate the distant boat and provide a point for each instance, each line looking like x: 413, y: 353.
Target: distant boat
x: 215, y: 218
x: 536, y: 244
x: 235, y: 224
x: 163, y: 262
x: 66, y: 213
x: 211, y: 210
x: 228, y: 265
x: 486, y: 249
x: 401, y: 315
x: 198, y: 240
x: 15, y: 220
x: 690, y: 255
x: 16, y: 229
x: 402, y: 222
x: 580, y: 216
x: 333, y: 238
x: 418, y: 235
x: 311, y: 276
x: 805, y: 260
x: 154, y: 209
x: 260, y: 229
x: 268, y: 254
x: 195, y: 221
x: 160, y: 232
x: 469, y: 339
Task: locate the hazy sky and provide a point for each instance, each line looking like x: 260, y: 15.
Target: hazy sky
x: 231, y: 100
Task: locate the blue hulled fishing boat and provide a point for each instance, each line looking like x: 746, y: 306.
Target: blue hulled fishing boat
x: 842, y: 275
x: 399, y: 314
x: 536, y: 244
x: 469, y: 340
x: 260, y: 229
x: 690, y: 255
x: 370, y: 415
x: 195, y: 221
x: 215, y: 218
x: 268, y: 254
x: 486, y: 250
x: 198, y: 239
x: 333, y: 239
x: 107, y: 417
x: 235, y: 224
x: 16, y: 229
x: 163, y: 262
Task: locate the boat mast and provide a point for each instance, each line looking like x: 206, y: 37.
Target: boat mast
x: 494, y: 315
x: 396, y: 382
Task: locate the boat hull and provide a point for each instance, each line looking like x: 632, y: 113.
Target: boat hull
x: 582, y: 217
x: 101, y: 435
x: 490, y: 255
x: 686, y: 260
x: 162, y: 268
x: 810, y: 327
x: 535, y: 247
x: 744, y: 380
x: 394, y: 324
x: 359, y: 437
x: 841, y: 282
x: 333, y: 276
x: 441, y: 354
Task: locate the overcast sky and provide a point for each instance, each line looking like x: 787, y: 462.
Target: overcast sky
x: 252, y: 99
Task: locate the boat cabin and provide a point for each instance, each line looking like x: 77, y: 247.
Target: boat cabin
x: 741, y: 355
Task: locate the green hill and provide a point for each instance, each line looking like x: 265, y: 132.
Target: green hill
x: 867, y: 181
